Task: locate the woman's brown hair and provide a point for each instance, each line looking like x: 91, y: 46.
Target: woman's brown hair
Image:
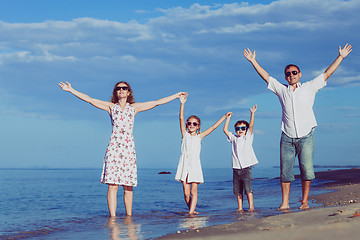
x: 130, y: 99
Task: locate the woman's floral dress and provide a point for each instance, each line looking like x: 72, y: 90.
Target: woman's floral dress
x: 120, y: 159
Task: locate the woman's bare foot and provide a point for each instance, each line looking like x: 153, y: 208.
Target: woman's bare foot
x: 193, y: 213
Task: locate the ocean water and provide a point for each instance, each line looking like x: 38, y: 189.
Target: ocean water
x: 71, y: 203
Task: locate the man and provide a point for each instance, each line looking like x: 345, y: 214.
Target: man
x: 298, y: 121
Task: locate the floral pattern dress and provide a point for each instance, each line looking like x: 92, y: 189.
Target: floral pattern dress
x: 120, y: 159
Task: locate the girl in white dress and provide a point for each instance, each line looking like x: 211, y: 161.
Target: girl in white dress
x: 189, y: 171
x: 119, y: 168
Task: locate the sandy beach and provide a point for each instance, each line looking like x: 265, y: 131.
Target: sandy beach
x: 339, y: 218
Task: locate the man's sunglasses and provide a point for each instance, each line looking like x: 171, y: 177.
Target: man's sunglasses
x: 193, y: 123
x: 292, y: 72
x: 243, y: 128
x: 121, y: 88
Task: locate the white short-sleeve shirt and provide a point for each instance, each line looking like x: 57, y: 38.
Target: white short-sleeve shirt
x: 243, y: 155
x: 297, y: 106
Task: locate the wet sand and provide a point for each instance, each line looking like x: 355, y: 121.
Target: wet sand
x: 338, y: 219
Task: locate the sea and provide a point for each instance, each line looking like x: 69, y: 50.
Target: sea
x: 71, y: 203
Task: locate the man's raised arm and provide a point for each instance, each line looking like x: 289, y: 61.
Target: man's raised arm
x: 343, y: 52
x: 250, y: 56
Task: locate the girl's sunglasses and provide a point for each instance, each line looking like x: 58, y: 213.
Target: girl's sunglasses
x: 121, y: 88
x: 292, y: 72
x: 193, y: 123
x: 240, y: 128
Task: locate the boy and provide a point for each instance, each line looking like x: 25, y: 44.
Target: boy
x: 243, y: 157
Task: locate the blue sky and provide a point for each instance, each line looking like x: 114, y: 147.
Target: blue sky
x: 162, y: 47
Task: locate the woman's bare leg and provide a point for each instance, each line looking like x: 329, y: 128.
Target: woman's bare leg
x: 112, y: 199
x: 128, y: 199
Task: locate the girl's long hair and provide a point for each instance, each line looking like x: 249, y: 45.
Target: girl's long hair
x: 130, y: 99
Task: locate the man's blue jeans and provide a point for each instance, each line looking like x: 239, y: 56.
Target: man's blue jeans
x: 301, y: 147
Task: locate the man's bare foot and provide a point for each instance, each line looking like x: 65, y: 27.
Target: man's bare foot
x: 251, y: 209
x: 283, y: 207
x: 240, y: 210
x: 304, y: 206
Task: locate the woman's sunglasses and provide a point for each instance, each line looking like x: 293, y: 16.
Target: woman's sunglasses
x: 193, y: 123
x: 121, y: 88
x: 240, y: 128
x: 292, y: 72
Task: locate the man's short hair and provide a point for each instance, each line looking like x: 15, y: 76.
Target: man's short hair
x: 291, y: 65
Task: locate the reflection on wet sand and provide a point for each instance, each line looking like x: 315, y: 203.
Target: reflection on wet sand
x: 123, y: 228
x: 193, y: 222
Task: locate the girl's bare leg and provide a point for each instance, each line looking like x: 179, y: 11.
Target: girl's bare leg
x: 112, y: 199
x: 194, y: 198
x: 128, y: 199
x: 186, y: 188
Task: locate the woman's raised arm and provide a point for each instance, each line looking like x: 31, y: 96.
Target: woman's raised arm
x: 103, y: 105
x: 140, y: 107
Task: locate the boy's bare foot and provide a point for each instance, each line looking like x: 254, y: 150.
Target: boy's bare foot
x: 240, y: 210
x: 251, y: 209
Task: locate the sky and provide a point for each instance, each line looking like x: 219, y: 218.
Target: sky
x: 162, y: 47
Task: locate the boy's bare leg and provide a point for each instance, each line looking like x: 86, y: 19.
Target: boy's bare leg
x: 305, y: 191
x: 285, y: 188
x: 240, y: 202
x: 251, y: 201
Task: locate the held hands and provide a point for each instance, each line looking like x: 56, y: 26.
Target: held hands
x: 65, y: 86
x: 183, y: 97
x: 253, y: 109
x: 228, y: 115
x: 345, y: 51
x: 250, y: 56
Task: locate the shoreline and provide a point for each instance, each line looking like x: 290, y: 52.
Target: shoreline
x: 339, y: 217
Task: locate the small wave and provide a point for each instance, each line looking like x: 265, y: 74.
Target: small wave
x: 45, y: 230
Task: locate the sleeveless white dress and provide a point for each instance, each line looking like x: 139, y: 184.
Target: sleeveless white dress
x: 120, y: 159
x: 189, y: 166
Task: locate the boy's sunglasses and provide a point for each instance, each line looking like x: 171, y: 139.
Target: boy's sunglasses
x: 193, y: 123
x: 292, y: 72
x: 243, y: 128
x: 121, y: 88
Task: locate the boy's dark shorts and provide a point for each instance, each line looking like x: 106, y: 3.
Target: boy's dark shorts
x: 242, y: 181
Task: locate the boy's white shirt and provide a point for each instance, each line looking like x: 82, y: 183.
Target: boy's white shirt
x: 243, y: 155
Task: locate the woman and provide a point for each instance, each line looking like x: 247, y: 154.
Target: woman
x: 120, y: 160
